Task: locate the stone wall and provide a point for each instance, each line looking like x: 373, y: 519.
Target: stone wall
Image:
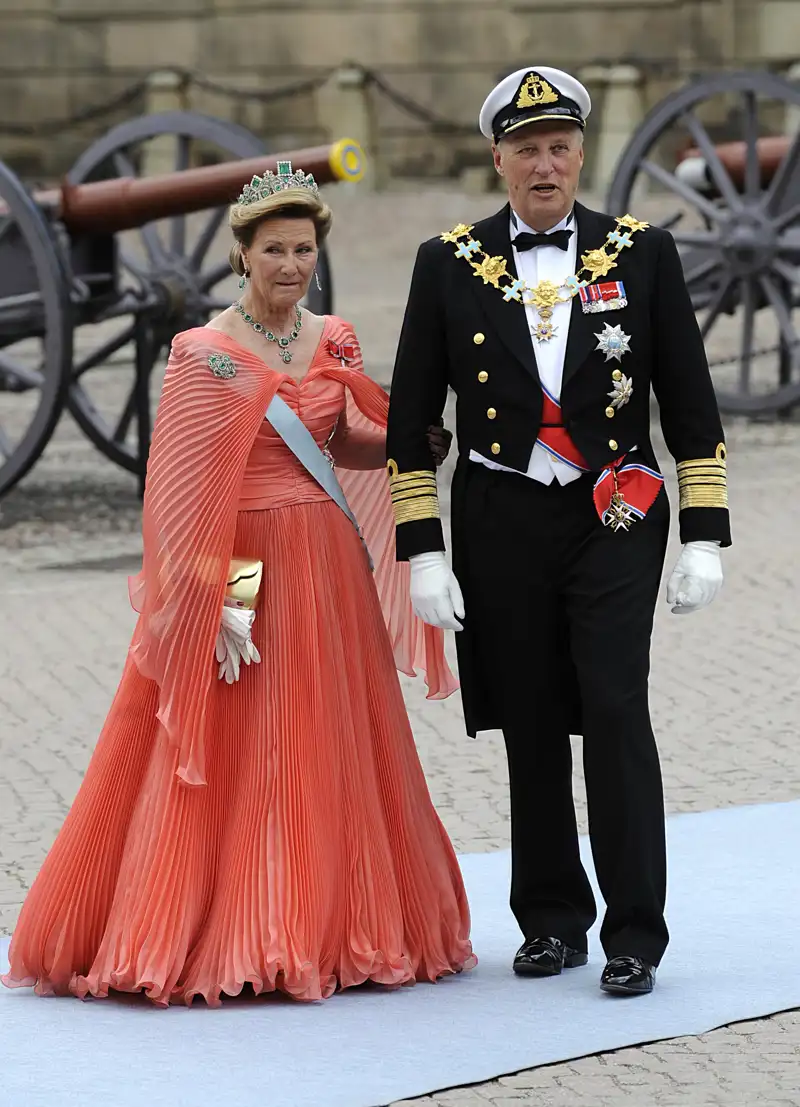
x: 58, y: 57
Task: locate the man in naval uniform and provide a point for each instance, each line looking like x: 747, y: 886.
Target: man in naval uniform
x: 551, y: 322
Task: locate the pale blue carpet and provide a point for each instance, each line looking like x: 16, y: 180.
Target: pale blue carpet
x: 734, y: 913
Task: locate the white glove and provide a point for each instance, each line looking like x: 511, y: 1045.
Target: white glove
x: 234, y: 643
x: 696, y: 578
x: 435, y: 592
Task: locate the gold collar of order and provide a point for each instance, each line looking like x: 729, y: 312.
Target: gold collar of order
x: 545, y: 295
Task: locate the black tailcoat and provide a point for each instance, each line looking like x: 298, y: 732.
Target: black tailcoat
x: 460, y: 332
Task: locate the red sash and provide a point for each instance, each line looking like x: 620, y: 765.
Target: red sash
x: 623, y: 492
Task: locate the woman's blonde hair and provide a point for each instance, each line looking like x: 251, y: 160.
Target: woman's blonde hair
x: 298, y: 203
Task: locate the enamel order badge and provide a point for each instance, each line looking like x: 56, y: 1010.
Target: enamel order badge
x: 344, y: 353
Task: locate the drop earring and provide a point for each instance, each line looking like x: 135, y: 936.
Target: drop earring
x: 244, y: 279
x: 316, y: 278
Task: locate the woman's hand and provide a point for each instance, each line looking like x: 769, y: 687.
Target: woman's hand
x: 440, y: 440
x: 234, y: 643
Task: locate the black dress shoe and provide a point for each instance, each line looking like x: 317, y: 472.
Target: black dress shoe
x: 546, y: 957
x: 628, y: 976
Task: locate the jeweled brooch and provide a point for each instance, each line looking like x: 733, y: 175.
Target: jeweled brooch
x: 221, y: 366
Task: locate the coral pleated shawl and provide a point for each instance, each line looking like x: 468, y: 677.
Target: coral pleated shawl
x: 203, y: 434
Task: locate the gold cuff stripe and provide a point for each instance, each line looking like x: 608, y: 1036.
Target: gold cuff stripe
x: 401, y: 497
x: 395, y: 474
x: 703, y: 496
x: 414, y: 511
x: 702, y: 476
x: 702, y: 462
x: 703, y: 482
x: 397, y: 500
x: 720, y: 505
x: 414, y: 494
x: 692, y: 470
x: 428, y: 485
x: 414, y: 488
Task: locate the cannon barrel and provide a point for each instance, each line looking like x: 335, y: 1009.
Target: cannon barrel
x: 770, y: 152
x: 120, y: 204
x: 62, y: 269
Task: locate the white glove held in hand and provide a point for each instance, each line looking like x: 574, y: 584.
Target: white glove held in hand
x: 234, y: 643
x: 696, y: 578
x: 435, y: 592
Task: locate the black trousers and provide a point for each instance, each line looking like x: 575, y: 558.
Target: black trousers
x: 552, y: 595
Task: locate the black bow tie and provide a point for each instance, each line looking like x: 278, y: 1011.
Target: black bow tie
x: 527, y: 241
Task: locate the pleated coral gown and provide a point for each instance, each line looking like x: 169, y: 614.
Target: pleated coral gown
x: 311, y: 858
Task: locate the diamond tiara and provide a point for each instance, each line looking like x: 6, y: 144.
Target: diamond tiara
x: 262, y: 187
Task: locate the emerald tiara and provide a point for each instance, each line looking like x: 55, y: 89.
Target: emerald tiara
x: 262, y: 187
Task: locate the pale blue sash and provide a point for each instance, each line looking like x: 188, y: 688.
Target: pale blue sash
x: 301, y: 442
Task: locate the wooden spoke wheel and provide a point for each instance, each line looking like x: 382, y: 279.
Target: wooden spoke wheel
x: 35, y: 331
x: 733, y: 207
x: 167, y: 277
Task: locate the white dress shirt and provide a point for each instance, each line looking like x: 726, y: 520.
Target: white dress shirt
x: 551, y: 264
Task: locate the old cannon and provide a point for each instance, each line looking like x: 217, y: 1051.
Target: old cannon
x: 718, y: 163
x: 97, y: 276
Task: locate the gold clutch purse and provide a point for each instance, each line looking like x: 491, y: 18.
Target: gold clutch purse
x: 244, y: 583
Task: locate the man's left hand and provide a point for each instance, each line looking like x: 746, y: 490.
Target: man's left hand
x: 696, y: 578
x: 439, y: 439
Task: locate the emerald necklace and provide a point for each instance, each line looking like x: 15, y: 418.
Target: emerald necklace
x: 282, y: 343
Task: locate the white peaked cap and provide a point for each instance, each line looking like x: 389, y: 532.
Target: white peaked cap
x: 532, y: 95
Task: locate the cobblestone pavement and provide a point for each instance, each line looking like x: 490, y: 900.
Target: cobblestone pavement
x: 725, y: 687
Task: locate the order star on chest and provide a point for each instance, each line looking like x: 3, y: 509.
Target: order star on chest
x: 613, y: 342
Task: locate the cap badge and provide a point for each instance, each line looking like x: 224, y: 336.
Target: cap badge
x: 535, y: 91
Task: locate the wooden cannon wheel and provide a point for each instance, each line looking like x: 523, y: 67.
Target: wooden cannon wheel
x: 735, y: 214
x: 171, y: 275
x: 35, y: 331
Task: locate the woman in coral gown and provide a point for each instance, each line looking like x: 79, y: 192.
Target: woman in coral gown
x: 273, y: 827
